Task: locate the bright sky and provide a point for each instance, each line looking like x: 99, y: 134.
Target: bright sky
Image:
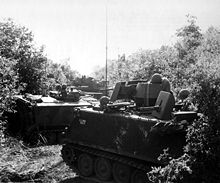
x: 76, y: 29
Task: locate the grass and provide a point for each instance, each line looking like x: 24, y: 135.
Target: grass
x: 19, y: 163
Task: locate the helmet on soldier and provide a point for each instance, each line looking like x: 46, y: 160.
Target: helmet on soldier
x: 166, y: 86
x: 156, y: 79
x: 58, y: 87
x: 104, y: 101
x: 183, y: 94
x: 64, y: 87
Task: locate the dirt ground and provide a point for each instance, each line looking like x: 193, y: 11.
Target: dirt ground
x: 19, y: 163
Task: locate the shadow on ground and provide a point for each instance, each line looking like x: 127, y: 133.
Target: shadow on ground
x: 76, y: 180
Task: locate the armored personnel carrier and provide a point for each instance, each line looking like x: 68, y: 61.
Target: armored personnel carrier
x: 40, y: 118
x: 122, y: 138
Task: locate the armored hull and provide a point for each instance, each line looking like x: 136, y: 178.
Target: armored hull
x: 122, y: 138
x: 119, y: 146
x: 44, y: 118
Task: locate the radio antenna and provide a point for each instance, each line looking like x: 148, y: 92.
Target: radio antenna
x: 106, y: 51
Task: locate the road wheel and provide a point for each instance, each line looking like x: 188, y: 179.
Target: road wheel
x: 85, y: 165
x: 121, y: 173
x: 139, y: 177
x: 103, y: 169
x: 68, y: 155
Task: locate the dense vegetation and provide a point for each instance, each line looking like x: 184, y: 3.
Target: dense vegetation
x: 193, y: 53
x: 22, y: 70
x: 193, y: 62
x: 19, y: 53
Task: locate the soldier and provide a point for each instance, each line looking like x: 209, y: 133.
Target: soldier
x: 156, y: 78
x: 166, y: 85
x: 63, y: 92
x: 44, y: 90
x: 104, y: 101
x: 184, y: 100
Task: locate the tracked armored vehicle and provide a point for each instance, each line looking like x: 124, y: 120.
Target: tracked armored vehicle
x: 43, y: 119
x: 122, y: 138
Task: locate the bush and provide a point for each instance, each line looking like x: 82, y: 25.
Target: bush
x: 201, y: 161
x: 176, y: 171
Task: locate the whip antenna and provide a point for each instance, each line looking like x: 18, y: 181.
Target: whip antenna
x: 106, y: 52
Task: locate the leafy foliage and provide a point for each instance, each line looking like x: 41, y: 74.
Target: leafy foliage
x: 190, y: 39
x: 203, y: 137
x: 178, y: 63
x: 8, y: 80
x: 61, y: 73
x: 21, y: 62
x: 176, y: 171
x: 16, y: 43
x: 203, y: 149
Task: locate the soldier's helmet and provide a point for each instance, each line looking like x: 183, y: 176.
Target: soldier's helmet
x: 58, y: 87
x: 166, y: 86
x: 64, y: 87
x: 183, y: 94
x: 156, y: 79
x: 104, y: 101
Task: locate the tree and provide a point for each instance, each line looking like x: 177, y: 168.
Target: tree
x: 60, y: 73
x: 183, y: 66
x: 201, y: 161
x: 69, y: 73
x: 208, y: 53
x: 190, y: 38
x: 16, y: 43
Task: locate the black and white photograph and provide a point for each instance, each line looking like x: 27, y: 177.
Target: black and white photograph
x: 110, y: 91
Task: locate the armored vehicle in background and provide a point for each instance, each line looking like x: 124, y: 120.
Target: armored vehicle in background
x: 43, y: 119
x: 122, y: 138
